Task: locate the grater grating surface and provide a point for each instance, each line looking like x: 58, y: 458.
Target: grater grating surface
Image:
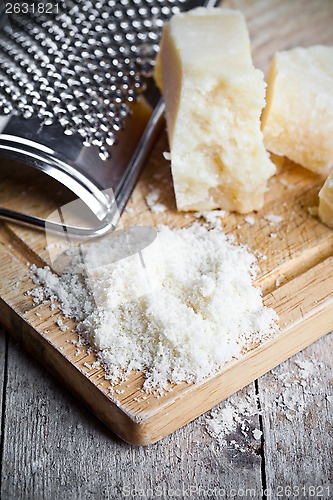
x: 76, y: 86
x: 83, y: 65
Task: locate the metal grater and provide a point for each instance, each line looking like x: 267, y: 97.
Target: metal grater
x: 73, y: 75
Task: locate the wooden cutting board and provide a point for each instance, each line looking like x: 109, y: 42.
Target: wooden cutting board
x: 299, y: 259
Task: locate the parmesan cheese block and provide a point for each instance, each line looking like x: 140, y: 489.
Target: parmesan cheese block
x: 214, y: 97
x: 326, y: 202
x: 298, y: 119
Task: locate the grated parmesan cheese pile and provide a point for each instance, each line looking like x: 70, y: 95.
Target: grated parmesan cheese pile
x: 203, y: 313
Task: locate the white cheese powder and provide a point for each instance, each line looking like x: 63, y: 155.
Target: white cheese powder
x: 205, y: 312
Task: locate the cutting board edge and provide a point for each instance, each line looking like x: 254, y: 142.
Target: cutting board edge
x: 68, y: 374
x: 255, y: 364
x: 145, y: 432
x: 147, y: 427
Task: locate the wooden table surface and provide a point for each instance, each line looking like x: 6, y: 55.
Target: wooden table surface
x: 53, y: 448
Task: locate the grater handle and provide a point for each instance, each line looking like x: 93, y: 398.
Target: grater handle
x: 145, y: 145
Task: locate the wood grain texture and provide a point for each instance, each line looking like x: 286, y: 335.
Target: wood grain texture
x: 298, y: 444
x: 54, y: 448
x: 3, y: 378
x: 300, y: 257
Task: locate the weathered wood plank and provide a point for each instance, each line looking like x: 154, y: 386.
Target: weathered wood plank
x: 54, y: 448
x: 298, y: 422
x: 297, y: 452
x: 65, y: 452
x: 3, y: 371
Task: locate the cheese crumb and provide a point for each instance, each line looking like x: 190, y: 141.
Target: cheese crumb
x: 212, y: 218
x: 257, y: 434
x: 61, y: 325
x: 151, y: 200
x: 205, y: 313
x: 273, y: 219
x: 250, y: 220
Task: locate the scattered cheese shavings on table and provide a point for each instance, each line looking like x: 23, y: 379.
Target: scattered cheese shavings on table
x: 234, y: 419
x: 233, y: 415
x: 305, y: 374
x: 204, y: 311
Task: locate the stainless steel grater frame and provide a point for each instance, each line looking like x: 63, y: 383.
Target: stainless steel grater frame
x: 89, y: 171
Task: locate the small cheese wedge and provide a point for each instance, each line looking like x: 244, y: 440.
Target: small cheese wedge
x: 298, y: 119
x: 326, y: 202
x: 214, y: 98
